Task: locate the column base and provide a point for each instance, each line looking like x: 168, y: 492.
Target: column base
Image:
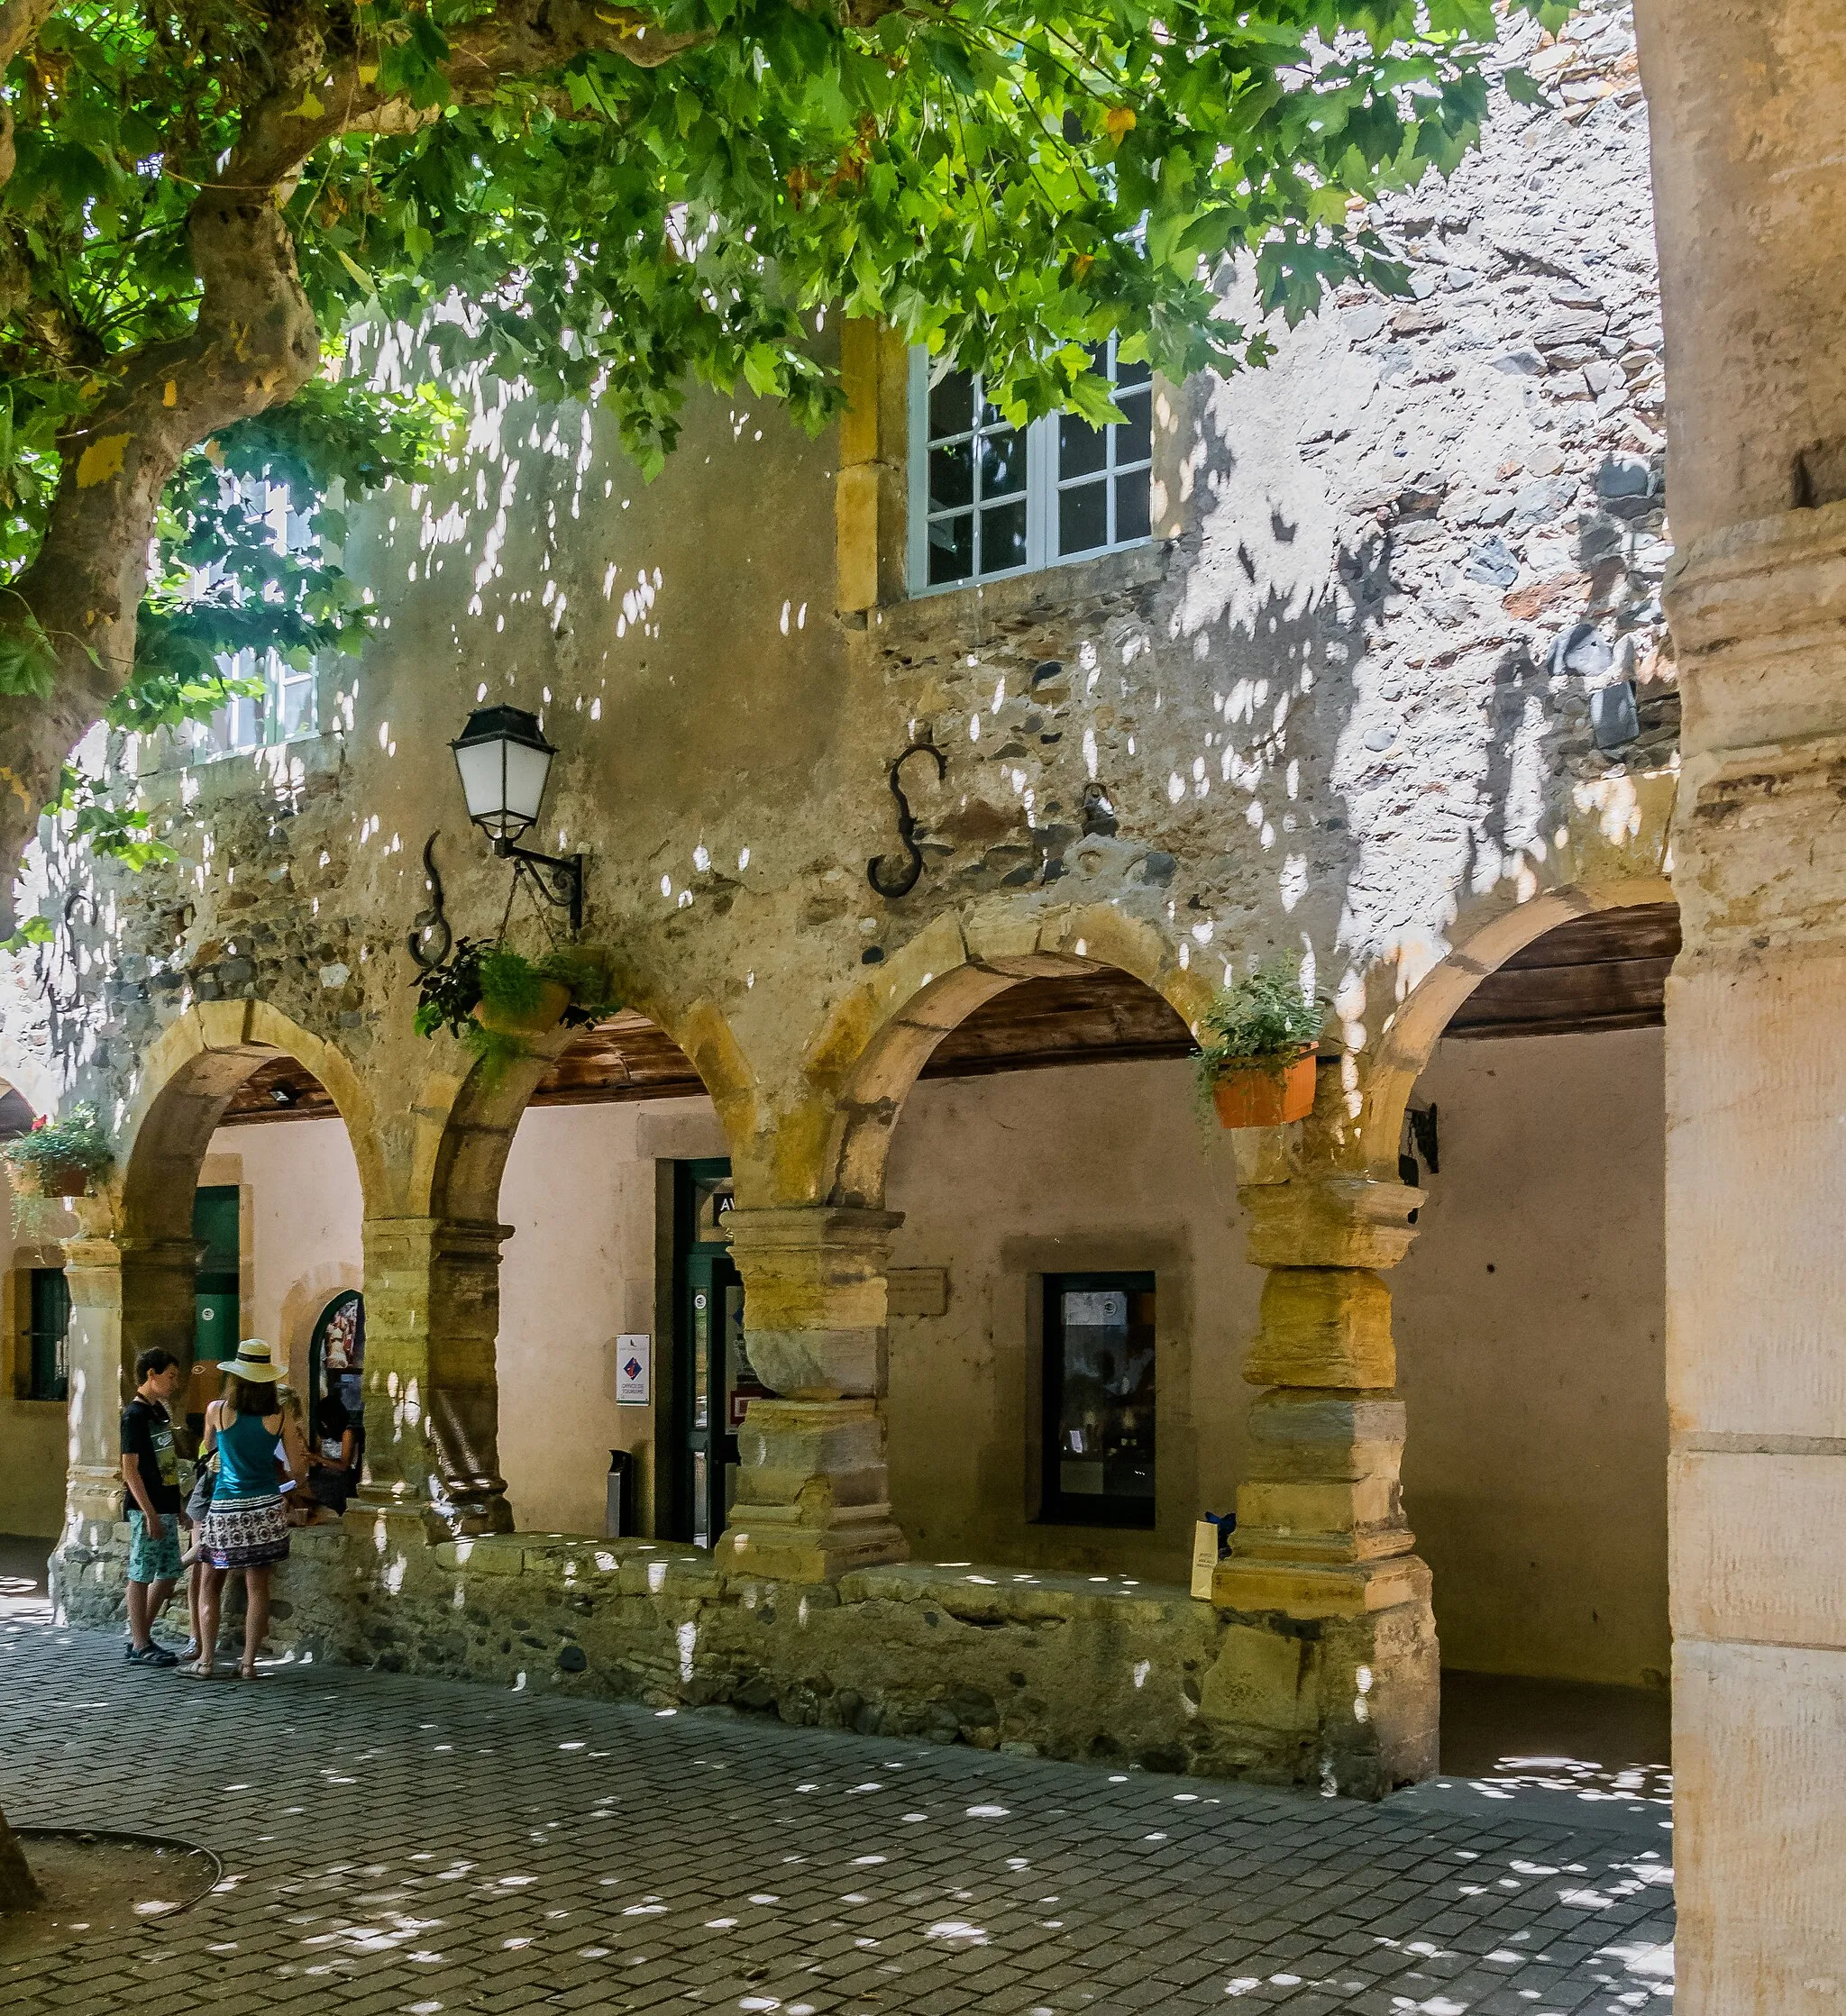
x: 1331, y: 1671
x: 771, y: 1541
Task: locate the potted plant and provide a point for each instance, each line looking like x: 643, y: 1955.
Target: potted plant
x: 495, y: 999
x: 1257, y: 1048
x: 58, y: 1158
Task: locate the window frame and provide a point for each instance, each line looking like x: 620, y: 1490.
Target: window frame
x: 1058, y: 1506
x: 47, y: 1351
x: 1044, y: 487
x: 207, y: 741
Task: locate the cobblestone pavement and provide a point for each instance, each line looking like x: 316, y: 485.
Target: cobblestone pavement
x: 402, y: 1845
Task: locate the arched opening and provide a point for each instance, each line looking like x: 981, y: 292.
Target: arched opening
x: 602, y: 1170
x: 232, y: 1225
x: 1068, y: 1299
x: 34, y: 1363
x: 1530, y: 1325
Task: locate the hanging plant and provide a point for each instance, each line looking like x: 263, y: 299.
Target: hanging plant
x: 1257, y: 1043
x: 495, y: 1000
x: 58, y: 1159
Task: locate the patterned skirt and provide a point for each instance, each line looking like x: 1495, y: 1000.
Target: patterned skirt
x: 245, y: 1532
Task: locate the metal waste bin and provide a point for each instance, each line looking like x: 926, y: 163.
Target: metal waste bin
x: 620, y: 1521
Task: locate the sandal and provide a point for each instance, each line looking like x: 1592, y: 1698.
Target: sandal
x: 198, y: 1670
x: 249, y: 1672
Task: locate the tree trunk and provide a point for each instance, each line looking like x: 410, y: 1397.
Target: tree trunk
x: 254, y: 346
x: 19, y: 1888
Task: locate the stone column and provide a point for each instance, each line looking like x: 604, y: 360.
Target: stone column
x: 1331, y: 1671
x: 126, y: 1295
x: 1751, y: 196
x: 432, y: 1400
x: 814, y: 1499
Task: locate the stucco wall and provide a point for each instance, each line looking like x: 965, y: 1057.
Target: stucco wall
x: 299, y: 1219
x: 1531, y: 1356
x: 1003, y: 1180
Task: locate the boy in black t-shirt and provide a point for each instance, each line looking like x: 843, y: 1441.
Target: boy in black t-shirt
x: 150, y: 1470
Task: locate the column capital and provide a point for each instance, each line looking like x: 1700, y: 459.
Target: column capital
x: 810, y: 1227
x: 1328, y: 1221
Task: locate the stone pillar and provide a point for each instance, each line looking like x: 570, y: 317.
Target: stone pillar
x: 432, y: 1400
x: 99, y: 1390
x: 814, y: 1499
x: 1332, y: 1670
x: 1750, y: 201
x: 126, y: 1295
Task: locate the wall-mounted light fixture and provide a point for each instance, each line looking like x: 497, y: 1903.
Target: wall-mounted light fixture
x: 505, y: 760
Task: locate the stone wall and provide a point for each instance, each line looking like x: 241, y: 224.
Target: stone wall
x: 1100, y: 1669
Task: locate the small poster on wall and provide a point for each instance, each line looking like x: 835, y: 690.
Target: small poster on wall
x: 634, y: 1362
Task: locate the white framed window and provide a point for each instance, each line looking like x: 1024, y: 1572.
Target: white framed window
x: 285, y: 709
x: 988, y: 500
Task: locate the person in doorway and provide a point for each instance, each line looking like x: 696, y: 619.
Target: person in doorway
x: 335, y: 1456
x: 246, y: 1528
x: 150, y: 1470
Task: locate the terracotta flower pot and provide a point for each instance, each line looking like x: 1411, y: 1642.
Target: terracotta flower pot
x: 47, y: 1179
x: 553, y: 998
x: 1265, y: 1092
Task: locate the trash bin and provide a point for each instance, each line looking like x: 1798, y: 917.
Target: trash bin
x: 620, y: 1522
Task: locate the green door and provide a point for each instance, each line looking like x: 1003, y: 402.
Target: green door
x: 215, y: 1226
x: 713, y: 1379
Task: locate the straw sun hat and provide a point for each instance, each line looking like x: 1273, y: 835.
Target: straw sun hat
x: 254, y: 1361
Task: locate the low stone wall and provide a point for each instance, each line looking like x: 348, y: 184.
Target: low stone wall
x: 1097, y: 1669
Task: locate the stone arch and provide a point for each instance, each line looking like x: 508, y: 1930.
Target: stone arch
x: 30, y: 1078
x: 433, y: 1261
x: 881, y: 1036
x: 132, y: 1267
x: 1482, y: 941
x: 465, y: 1125
x: 187, y: 1077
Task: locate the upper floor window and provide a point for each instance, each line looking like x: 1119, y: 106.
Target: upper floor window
x: 285, y: 708
x: 988, y: 500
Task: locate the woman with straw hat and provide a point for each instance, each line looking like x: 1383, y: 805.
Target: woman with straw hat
x: 246, y: 1527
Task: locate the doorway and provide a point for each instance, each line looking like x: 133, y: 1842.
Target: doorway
x: 714, y: 1381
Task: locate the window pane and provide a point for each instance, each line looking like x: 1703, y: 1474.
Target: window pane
x: 1003, y: 538
x: 1002, y: 463
x: 1131, y: 512
x: 1083, y: 518
x: 1134, y: 441
x: 1132, y: 374
x: 951, y: 476
x: 951, y: 405
x: 298, y: 707
x: 951, y: 549
x: 1105, y: 1377
x: 1080, y: 448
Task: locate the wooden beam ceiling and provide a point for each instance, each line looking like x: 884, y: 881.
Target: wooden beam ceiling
x: 1605, y: 971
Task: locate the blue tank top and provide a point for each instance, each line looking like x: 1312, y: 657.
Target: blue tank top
x: 246, y: 1459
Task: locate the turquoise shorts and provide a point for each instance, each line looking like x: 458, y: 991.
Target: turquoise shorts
x: 151, y: 1560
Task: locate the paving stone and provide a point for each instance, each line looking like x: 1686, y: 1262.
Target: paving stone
x: 379, y: 1818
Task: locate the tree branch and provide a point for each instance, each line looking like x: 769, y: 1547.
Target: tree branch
x: 19, y: 21
x: 532, y: 38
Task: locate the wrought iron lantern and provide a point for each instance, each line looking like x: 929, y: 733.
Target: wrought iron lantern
x: 504, y: 760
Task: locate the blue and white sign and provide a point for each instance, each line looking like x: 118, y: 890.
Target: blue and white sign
x: 634, y: 1364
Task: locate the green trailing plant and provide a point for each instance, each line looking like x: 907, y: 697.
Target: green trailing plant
x: 39, y: 1163
x: 493, y: 975
x: 1264, y: 1019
